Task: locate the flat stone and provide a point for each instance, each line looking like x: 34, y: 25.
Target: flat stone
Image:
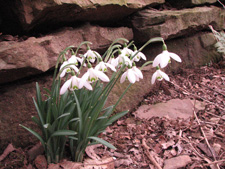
x: 173, y: 109
x: 177, y: 162
x: 169, y: 24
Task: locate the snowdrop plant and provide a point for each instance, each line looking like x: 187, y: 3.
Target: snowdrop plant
x: 220, y: 37
x: 74, y: 112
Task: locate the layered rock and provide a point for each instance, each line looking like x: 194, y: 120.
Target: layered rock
x: 43, y: 14
x: 190, y: 3
x: 36, y: 55
x: 170, y: 24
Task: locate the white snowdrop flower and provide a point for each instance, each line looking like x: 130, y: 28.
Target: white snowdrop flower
x: 113, y: 61
x: 92, y: 75
x: 130, y: 75
x: 92, y: 55
x: 164, y: 58
x: 138, y: 56
x: 137, y: 73
x: 126, y: 51
x: 102, y: 66
x: 74, y: 84
x: 123, y: 58
x: 73, y: 59
x: 159, y: 75
x: 67, y: 69
x: 81, y: 60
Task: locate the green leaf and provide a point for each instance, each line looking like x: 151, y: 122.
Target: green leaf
x: 74, y: 119
x: 39, y: 112
x: 63, y: 115
x: 35, y: 134
x: 116, y: 117
x: 79, y: 112
x: 36, y: 120
x: 38, y: 94
x: 73, y: 138
x: 102, y: 142
x: 63, y: 133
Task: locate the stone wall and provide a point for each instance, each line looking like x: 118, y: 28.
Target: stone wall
x: 32, y: 33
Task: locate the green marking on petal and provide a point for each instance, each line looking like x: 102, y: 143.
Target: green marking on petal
x: 75, y: 87
x: 159, y: 78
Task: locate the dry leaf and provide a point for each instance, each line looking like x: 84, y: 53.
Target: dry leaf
x: 91, y: 152
x: 7, y: 151
x: 104, y: 163
x: 70, y: 165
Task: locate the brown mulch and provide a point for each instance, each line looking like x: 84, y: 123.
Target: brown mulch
x: 150, y: 143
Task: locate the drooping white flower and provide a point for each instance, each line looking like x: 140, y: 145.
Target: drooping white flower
x: 137, y: 73
x: 138, y: 56
x: 67, y: 69
x: 81, y: 60
x: 114, y: 62
x: 102, y: 66
x: 92, y: 75
x: 130, y: 75
x: 92, y: 55
x: 73, y: 59
x: 164, y: 58
x: 159, y: 75
x: 74, y: 84
x: 126, y: 51
x: 124, y: 59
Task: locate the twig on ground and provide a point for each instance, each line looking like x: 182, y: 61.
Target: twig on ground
x: 203, y: 133
x: 196, y: 96
x: 154, y: 162
x: 215, y: 162
x: 219, y: 92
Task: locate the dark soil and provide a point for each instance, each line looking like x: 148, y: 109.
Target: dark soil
x: 138, y: 140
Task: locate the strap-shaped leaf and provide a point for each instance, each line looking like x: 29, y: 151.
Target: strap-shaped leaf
x: 35, y: 134
x: 39, y: 112
x: 116, y: 117
x: 102, y: 142
x: 64, y: 133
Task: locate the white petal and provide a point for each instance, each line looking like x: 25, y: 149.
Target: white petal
x: 64, y: 64
x: 74, y: 68
x: 164, y: 60
x: 131, y: 76
x: 164, y: 75
x: 138, y: 72
x: 111, y: 67
x: 96, y: 54
x: 157, y: 60
x: 123, y: 77
x: 72, y: 59
x: 101, y: 75
x: 175, y: 57
x: 63, y: 73
x: 154, y: 77
x: 88, y: 86
x: 83, y: 80
x: 142, y: 55
x: 65, y: 86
